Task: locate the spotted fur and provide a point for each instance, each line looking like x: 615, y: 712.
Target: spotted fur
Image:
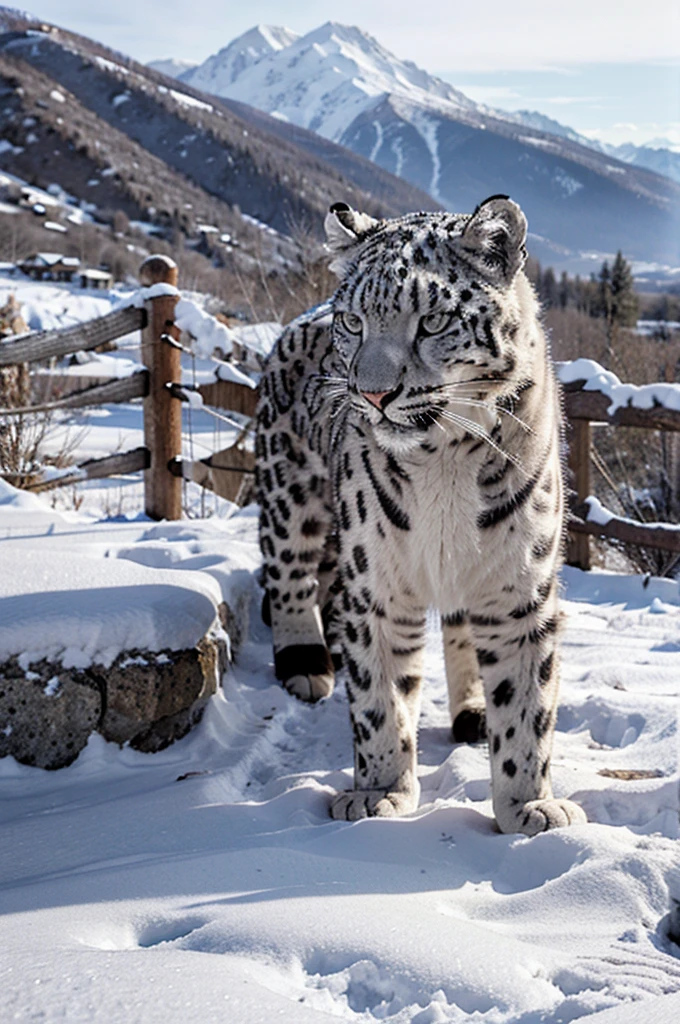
x: 408, y: 449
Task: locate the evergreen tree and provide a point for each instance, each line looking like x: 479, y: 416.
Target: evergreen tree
x: 624, y: 301
x: 604, y: 292
x: 548, y: 290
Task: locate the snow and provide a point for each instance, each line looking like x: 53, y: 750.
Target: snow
x: 88, y: 600
x: 171, y: 67
x: 599, y: 513
x: 209, y: 333
x: 596, y: 378
x: 207, y: 882
x: 53, y: 225
x: 231, y: 61
x: 258, y: 338
x: 227, y: 371
x: 190, y: 101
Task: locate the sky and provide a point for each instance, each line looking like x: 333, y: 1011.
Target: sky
x: 610, y: 69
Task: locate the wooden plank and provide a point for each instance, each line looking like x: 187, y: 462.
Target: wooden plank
x: 162, y: 412
x: 227, y: 394
x: 33, y: 348
x: 645, y: 535
x: 578, y: 436
x: 94, y: 469
x: 593, y: 405
x: 223, y: 472
x: 122, y: 389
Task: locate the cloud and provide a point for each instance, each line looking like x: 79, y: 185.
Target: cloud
x: 490, y: 94
x: 569, y: 100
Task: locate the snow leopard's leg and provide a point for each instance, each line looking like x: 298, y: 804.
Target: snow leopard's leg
x: 382, y: 624
x: 466, y: 692
x: 295, y: 522
x: 518, y: 652
x: 329, y: 598
x: 383, y: 638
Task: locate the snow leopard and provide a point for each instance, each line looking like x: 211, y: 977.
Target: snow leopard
x: 409, y: 457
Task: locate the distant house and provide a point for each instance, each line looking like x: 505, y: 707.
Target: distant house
x: 50, y: 266
x: 102, y: 279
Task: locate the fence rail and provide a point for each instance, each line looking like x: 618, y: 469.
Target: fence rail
x: 123, y: 390
x: 33, y: 348
x: 645, y: 535
x: 97, y: 469
x: 582, y: 409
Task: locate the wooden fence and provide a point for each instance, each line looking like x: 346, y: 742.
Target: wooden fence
x: 159, y: 384
x: 583, y: 408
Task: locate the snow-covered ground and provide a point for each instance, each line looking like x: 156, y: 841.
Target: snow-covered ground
x: 208, y: 883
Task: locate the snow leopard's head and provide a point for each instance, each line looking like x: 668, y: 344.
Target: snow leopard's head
x: 427, y: 317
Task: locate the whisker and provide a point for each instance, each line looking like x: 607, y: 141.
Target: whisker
x: 464, y: 383
x: 503, y: 412
x: 474, y: 428
x: 338, y: 424
x: 340, y: 407
x: 328, y: 379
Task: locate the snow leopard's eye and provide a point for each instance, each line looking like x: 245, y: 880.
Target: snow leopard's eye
x: 352, y: 323
x: 435, y: 323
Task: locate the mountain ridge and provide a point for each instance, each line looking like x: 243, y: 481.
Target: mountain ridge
x: 342, y: 84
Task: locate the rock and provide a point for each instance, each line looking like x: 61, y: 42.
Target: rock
x: 147, y: 699
x: 46, y: 713
x: 144, y: 688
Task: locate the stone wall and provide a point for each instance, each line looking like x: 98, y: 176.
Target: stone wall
x: 145, y: 698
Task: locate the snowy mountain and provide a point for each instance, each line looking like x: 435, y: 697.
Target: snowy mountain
x: 218, y: 72
x: 658, y: 155
x: 661, y: 159
x: 321, y: 81
x: 543, y: 123
x: 119, y: 136
x: 171, y: 67
x: 340, y: 83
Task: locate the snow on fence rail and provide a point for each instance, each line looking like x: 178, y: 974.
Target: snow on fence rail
x: 592, y: 395
x: 154, y: 311
x: 595, y: 395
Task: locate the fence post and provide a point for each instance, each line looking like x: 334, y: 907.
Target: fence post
x: 578, y: 436
x: 162, y: 412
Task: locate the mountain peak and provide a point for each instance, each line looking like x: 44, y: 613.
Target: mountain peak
x: 265, y: 38
x: 218, y: 72
x: 323, y: 80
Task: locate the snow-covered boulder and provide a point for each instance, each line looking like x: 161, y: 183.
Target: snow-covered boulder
x: 115, y: 628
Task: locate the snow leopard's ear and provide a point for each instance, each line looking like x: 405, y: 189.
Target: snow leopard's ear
x: 344, y: 228
x: 494, y: 239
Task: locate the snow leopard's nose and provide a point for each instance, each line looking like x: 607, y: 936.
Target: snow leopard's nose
x: 381, y: 399
x: 376, y: 398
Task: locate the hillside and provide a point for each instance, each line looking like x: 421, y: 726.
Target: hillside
x: 340, y: 83
x: 117, y: 136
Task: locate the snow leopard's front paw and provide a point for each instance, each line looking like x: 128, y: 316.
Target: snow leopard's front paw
x: 306, y: 671
x: 372, y: 803
x: 541, y: 815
